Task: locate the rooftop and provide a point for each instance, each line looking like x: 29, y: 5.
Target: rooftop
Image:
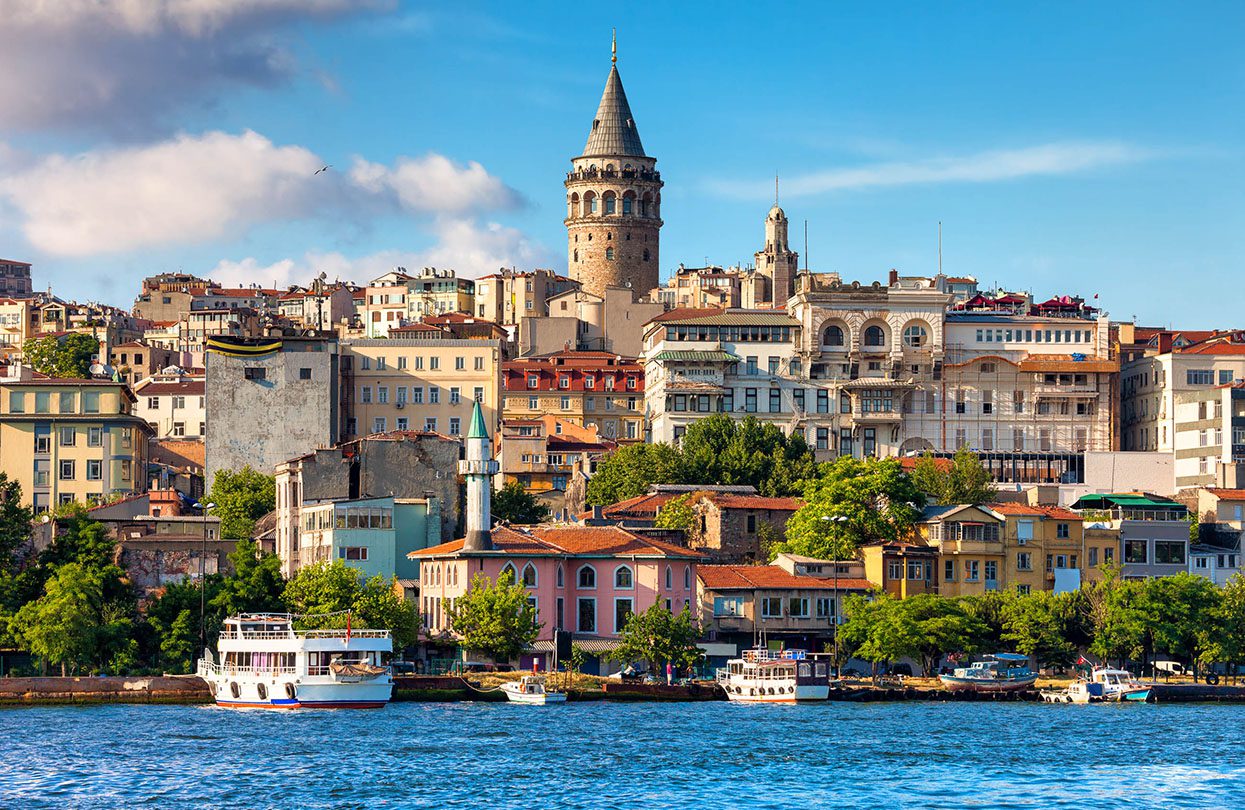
x: 754, y: 577
x: 567, y: 540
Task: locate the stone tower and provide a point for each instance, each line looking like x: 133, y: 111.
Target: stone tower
x: 777, y: 262
x: 478, y: 468
x: 613, y: 202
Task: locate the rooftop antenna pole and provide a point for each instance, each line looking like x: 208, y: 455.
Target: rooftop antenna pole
x: 806, y: 246
x: 775, y: 188
x: 940, y: 247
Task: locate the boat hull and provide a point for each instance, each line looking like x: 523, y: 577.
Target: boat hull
x: 290, y: 694
x: 800, y: 693
x: 956, y: 684
x: 533, y: 698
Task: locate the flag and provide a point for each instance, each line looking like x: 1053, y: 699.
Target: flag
x: 347, y: 628
x: 1082, y: 661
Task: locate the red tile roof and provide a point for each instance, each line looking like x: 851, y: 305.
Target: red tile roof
x: 727, y: 500
x: 753, y: 577
x: 1053, y: 512
x: 683, y: 313
x: 1224, y: 344
x: 1227, y: 494
x: 641, y: 506
x: 570, y: 540
x: 179, y: 388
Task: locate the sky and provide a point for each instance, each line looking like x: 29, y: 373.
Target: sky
x: 1066, y: 148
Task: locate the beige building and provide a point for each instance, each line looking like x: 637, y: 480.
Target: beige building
x: 698, y: 287
x: 593, y: 389
x: 18, y: 322
x: 386, y: 303
x: 425, y: 380
x: 70, y: 440
x: 509, y: 296
x: 613, y: 202
x: 772, y: 281
x: 438, y: 291
x: 610, y: 322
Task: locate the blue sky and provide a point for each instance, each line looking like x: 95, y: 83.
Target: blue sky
x: 1067, y: 148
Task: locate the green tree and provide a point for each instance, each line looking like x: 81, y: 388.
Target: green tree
x: 1180, y: 614
x: 1036, y: 626
x: 62, y: 625
x: 719, y: 449
x: 179, y: 642
x: 940, y: 626
x: 963, y: 479
x: 15, y: 522
x: 658, y: 637
x: 494, y: 617
x: 68, y: 356
x: 255, y: 584
x: 1117, y: 615
x: 629, y: 471
x: 677, y: 514
x: 876, y: 630
x: 241, y: 497
x: 82, y: 540
x: 1225, y: 638
x: 850, y: 502
x: 326, y: 593
x: 514, y: 504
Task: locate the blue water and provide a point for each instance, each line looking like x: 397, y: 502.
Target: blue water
x: 633, y: 756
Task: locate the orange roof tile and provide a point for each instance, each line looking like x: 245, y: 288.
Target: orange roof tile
x: 727, y: 500
x: 1053, y: 512
x: 571, y: 540
x: 752, y: 577
x: 1227, y: 494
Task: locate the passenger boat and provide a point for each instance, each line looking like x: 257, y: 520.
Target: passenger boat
x: 999, y: 672
x: 531, y: 689
x: 265, y: 663
x: 1103, y: 684
x: 775, y: 676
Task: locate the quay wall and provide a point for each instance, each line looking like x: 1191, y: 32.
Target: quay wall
x: 108, y: 689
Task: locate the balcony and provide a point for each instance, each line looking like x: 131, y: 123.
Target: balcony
x: 874, y: 417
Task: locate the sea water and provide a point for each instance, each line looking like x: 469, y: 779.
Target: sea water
x: 630, y: 756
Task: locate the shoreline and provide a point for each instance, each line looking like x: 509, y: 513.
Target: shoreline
x: 192, y: 690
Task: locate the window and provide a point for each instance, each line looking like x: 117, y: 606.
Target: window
x: 455, y: 426
x: 915, y: 336
x: 434, y: 395
x: 587, y: 618
x: 66, y: 470
x: 430, y: 424
x: 775, y: 400
x: 623, y: 577
x: 68, y: 437
x: 894, y: 570
x: 797, y: 607
x: 1200, y: 376
x: 771, y: 607
x: 254, y: 373
x: 1093, y: 556
x: 17, y: 402
x: 916, y: 570
x: 95, y: 437
x: 179, y: 428
x: 750, y: 400
x: 365, y: 394
x: 378, y: 424
x: 1167, y: 552
x: 609, y: 254
x: 68, y: 402
x: 587, y: 577
x: 352, y: 553
x: 529, y: 576
x: 1062, y: 531
x: 948, y: 572
x: 1136, y: 551
x: 728, y: 606
x: 972, y: 570
x: 90, y: 402
x: 992, y: 571
x: 382, y: 394
x: 304, y: 374
x: 622, y: 610
x: 875, y: 336
x: 402, y: 423
x: 833, y: 336
x: 478, y: 393
x: 1024, y: 561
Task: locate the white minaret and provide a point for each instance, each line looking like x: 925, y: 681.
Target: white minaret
x: 478, y: 469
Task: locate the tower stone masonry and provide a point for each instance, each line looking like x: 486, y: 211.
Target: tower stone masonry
x: 613, y: 202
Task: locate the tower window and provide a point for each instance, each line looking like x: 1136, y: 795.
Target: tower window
x: 626, y: 205
x: 576, y: 256
x: 628, y: 236
x: 609, y: 237
x: 645, y: 254
x: 609, y: 203
x: 592, y: 205
x: 609, y: 254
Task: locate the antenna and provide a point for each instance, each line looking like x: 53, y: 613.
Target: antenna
x: 775, y: 188
x: 613, y: 46
x: 806, y: 246
x: 940, y: 247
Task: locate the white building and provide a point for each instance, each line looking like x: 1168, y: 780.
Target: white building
x: 173, y: 404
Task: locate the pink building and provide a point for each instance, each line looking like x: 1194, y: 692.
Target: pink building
x: 582, y: 579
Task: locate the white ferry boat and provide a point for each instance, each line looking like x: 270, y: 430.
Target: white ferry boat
x: 266, y: 663
x: 775, y: 676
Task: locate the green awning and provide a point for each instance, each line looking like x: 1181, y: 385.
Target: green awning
x: 693, y: 356
x: 1128, y: 501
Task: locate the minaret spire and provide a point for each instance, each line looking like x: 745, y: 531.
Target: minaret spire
x: 478, y: 468
x: 614, y: 46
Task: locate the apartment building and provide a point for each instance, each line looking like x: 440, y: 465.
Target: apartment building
x: 18, y: 323
x: 321, y: 306
x: 589, y: 388
x: 386, y: 303
x: 175, y: 405
x: 427, y: 379
x: 136, y: 360
x: 1188, y: 400
x: 438, y: 291
x: 701, y: 287
x: 1044, y: 547
x: 1149, y: 533
x: 544, y: 454
x: 168, y: 296
x: 612, y: 321
x: 67, y: 440
x: 509, y: 296
x: 15, y: 279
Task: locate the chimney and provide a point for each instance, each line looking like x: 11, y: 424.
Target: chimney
x: 1165, y: 342
x: 893, y: 278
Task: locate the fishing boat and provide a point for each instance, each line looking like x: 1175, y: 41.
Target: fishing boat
x: 1104, y: 684
x: 532, y: 690
x: 998, y: 672
x: 266, y: 664
x: 762, y: 675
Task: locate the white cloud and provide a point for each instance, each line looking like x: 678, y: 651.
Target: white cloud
x: 196, y: 188
x: 467, y: 247
x: 983, y: 167
x: 125, y: 64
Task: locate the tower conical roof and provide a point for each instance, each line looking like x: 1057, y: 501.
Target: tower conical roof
x: 614, y: 133
x: 478, y: 430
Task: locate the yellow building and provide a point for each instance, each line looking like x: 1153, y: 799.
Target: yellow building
x: 70, y: 440
x: 900, y: 568
x: 1044, y: 547
x: 425, y: 380
x: 18, y: 321
x: 969, y: 540
x: 1102, y: 544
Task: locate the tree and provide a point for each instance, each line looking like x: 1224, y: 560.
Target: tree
x: 719, y: 449
x: 861, y: 500
x: 254, y: 586
x: 325, y: 594
x: 1117, y: 615
x: 874, y: 629
x: 178, y: 643
x: 1225, y: 638
x: 83, y: 541
x: 964, y: 479
x: 514, y: 504
x: 629, y: 471
x: 1034, y: 624
x: 677, y: 514
x: 495, y: 618
x: 62, y: 625
x: 658, y: 637
x: 241, y: 497
x: 940, y: 626
x: 1180, y: 614
x: 14, y: 522
x: 68, y: 356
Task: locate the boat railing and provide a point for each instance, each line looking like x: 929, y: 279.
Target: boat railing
x: 343, y: 633
x: 239, y: 635
x: 228, y: 670
x: 762, y: 654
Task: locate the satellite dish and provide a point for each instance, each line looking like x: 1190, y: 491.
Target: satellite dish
x: 96, y: 369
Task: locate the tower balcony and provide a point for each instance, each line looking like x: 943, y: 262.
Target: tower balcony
x: 645, y: 175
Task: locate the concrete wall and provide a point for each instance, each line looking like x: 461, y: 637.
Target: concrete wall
x: 264, y: 422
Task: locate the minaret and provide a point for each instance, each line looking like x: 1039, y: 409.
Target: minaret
x: 478, y: 468
x: 613, y: 201
x: 777, y: 262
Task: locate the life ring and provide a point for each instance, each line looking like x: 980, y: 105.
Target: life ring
x: 262, y: 691
x: 1212, y: 679
x: 235, y: 690
x: 289, y: 691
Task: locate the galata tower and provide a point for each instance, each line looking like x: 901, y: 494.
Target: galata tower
x: 613, y: 201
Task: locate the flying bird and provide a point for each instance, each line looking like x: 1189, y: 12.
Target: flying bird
x: 321, y: 169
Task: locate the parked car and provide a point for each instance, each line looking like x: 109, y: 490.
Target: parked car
x: 402, y: 667
x: 1169, y: 668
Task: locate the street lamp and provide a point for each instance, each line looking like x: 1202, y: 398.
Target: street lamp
x: 203, y: 510
x: 835, y: 566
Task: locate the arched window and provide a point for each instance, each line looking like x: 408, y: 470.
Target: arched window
x: 529, y: 576
x: 609, y: 253
x: 875, y: 336
x: 561, y: 576
x: 508, y: 569
x: 833, y: 336
x: 587, y: 577
x: 669, y: 578
x: 590, y: 203
x: 623, y: 578
x: 628, y: 204
x: 915, y: 336
x: 576, y: 254
x: 575, y: 204
x: 610, y: 201
x: 687, y: 577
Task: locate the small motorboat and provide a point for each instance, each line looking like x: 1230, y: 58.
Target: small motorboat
x: 1103, y: 685
x: 531, y: 689
x: 999, y: 672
